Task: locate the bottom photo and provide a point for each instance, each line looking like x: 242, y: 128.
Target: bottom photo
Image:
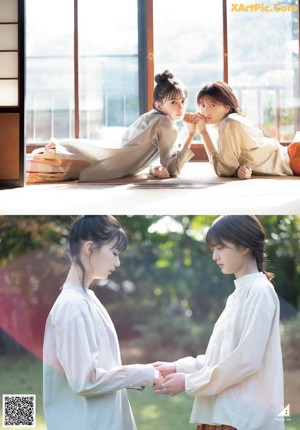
x: 150, y: 322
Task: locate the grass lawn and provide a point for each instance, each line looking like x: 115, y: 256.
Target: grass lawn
x: 153, y: 411
x: 23, y: 375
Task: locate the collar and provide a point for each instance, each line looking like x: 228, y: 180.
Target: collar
x: 246, y: 279
x: 75, y: 287
x: 154, y: 110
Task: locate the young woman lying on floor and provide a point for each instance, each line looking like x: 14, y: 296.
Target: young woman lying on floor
x: 152, y: 138
x: 240, y: 149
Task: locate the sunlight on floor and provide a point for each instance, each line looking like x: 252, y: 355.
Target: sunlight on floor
x: 196, y: 191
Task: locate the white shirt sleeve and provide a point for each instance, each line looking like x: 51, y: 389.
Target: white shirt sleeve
x: 79, y: 356
x: 189, y: 364
x: 226, y: 159
x: 245, y: 359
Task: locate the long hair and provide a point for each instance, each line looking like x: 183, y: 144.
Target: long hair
x: 100, y: 229
x: 240, y: 230
x: 222, y: 93
x: 167, y: 87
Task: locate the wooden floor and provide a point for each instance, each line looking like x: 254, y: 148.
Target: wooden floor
x: 197, y: 191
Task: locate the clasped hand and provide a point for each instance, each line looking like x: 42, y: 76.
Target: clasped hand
x: 195, y: 121
x: 166, y: 381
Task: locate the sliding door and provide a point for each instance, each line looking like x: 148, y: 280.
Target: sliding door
x: 11, y: 93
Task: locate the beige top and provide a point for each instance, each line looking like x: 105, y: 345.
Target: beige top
x: 152, y: 136
x: 239, y: 143
x: 150, y: 140
x: 239, y: 380
x: 84, y: 380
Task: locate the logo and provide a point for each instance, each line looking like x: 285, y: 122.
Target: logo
x: 285, y: 414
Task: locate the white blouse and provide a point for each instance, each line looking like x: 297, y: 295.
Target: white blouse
x: 239, y: 380
x: 84, y: 380
x: 240, y: 143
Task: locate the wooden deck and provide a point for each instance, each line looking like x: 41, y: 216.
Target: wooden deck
x: 197, y: 191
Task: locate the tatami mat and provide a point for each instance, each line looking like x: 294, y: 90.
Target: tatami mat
x: 197, y: 191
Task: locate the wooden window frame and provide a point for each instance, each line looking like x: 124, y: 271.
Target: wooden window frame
x: 146, y: 56
x: 146, y: 51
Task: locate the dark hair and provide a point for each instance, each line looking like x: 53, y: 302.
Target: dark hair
x: 99, y: 229
x: 222, y: 93
x: 240, y: 230
x: 167, y: 87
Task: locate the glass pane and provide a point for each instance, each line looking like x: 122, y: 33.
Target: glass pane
x: 264, y: 63
x: 9, y: 92
x: 8, y: 10
x: 108, y: 65
x: 8, y: 65
x: 8, y: 37
x: 49, y: 99
x: 189, y: 42
x: 103, y: 29
x: 108, y: 94
x: 49, y: 70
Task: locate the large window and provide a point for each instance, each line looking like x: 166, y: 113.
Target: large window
x: 104, y: 45
x: 263, y: 57
x: 49, y: 70
x: 84, y: 65
x: 108, y: 64
x: 189, y: 41
x: 254, y: 46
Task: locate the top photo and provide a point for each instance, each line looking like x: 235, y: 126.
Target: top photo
x: 148, y: 106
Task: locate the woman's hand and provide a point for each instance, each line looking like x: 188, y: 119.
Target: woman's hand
x: 190, y: 121
x: 160, y: 172
x: 164, y: 367
x: 244, y: 172
x: 200, y: 124
x: 172, y: 384
x: 158, y: 379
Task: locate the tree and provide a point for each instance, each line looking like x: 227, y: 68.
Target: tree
x: 167, y: 275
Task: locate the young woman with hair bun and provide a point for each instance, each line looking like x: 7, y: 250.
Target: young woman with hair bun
x: 151, y: 141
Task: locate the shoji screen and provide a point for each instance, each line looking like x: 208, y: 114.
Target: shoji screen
x: 12, y: 70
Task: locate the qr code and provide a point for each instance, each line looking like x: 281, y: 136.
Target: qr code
x: 18, y: 410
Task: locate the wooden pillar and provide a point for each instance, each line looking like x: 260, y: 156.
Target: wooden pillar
x: 146, y: 54
x: 225, y: 42
x: 76, y: 73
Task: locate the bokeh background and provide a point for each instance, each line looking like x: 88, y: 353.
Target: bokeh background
x: 164, y: 300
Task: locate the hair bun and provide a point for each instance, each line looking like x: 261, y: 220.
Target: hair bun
x: 164, y: 76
